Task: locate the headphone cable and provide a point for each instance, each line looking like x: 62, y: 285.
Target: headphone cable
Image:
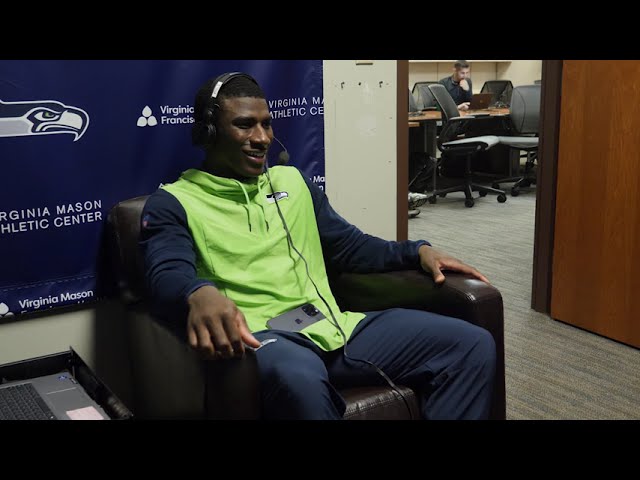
x: 333, y: 320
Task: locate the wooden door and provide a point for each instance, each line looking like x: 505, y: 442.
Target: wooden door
x: 596, y: 258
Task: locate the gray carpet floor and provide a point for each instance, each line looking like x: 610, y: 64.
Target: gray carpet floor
x: 553, y: 370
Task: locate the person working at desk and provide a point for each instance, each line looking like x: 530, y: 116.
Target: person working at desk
x: 233, y: 244
x: 459, y: 85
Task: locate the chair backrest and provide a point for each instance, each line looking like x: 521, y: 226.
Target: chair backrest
x: 525, y: 109
x: 413, y: 106
x: 445, y: 101
x: 425, y: 98
x: 123, y: 223
x: 414, y: 90
x: 501, y: 90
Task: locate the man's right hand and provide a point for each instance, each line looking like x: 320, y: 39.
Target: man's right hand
x: 464, y: 84
x: 464, y: 106
x: 216, y: 328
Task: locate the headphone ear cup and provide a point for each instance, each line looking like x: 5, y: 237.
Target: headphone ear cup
x: 208, y: 130
x: 211, y: 134
x: 210, y: 123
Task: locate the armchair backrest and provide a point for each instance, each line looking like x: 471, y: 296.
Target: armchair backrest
x: 525, y: 109
x: 124, y: 223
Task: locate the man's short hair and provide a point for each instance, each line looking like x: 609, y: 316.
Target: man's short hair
x: 461, y: 64
x: 239, y: 86
x: 204, y: 115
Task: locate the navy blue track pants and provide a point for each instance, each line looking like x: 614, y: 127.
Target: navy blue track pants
x: 449, y: 362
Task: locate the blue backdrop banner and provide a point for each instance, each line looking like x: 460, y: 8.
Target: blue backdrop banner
x: 77, y: 137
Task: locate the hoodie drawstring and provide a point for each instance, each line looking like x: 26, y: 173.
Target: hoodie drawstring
x: 261, y: 203
x: 246, y: 205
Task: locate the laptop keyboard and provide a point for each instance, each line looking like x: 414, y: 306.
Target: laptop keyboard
x: 23, y: 402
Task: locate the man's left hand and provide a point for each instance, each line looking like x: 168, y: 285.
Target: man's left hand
x: 434, y: 262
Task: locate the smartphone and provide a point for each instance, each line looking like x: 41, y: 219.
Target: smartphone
x: 297, y: 319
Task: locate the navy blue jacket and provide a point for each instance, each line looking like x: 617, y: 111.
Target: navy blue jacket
x: 458, y: 94
x: 170, y: 261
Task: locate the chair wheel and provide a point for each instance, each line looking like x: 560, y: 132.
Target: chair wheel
x: 502, y: 198
x: 495, y: 185
x: 482, y: 193
x: 515, y: 192
x: 468, y: 202
x: 433, y: 199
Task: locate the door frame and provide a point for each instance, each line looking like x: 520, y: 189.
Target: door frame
x: 551, y: 93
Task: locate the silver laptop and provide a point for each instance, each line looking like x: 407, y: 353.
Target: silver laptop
x: 50, y: 397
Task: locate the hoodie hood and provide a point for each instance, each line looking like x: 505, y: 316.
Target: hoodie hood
x: 229, y: 188
x: 243, y: 192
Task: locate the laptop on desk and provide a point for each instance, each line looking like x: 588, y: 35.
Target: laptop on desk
x: 480, y: 101
x: 50, y: 397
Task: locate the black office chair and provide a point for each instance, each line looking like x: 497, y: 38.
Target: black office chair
x: 414, y: 90
x: 451, y: 141
x: 413, y: 105
x: 525, y: 120
x: 501, y: 90
x: 422, y: 167
x: 424, y: 97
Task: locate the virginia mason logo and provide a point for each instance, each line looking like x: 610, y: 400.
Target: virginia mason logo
x: 41, y: 117
x: 169, y: 115
x: 4, y: 310
x: 147, y: 118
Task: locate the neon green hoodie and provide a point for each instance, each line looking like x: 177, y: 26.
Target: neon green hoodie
x: 241, y: 247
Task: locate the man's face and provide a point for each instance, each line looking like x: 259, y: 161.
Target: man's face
x: 460, y: 74
x: 243, y: 136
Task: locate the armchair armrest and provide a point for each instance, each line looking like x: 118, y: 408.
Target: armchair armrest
x: 173, y: 381
x: 460, y: 296
x: 232, y: 389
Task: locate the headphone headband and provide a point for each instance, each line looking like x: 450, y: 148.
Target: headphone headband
x: 226, y: 77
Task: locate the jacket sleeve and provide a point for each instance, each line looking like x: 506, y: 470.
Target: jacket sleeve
x: 168, y: 253
x: 348, y: 249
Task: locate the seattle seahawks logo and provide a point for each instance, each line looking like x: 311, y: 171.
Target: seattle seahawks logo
x: 44, y: 117
x: 276, y: 197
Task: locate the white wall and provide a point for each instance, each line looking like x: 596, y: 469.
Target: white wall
x: 47, y: 334
x: 520, y: 72
x: 360, y: 143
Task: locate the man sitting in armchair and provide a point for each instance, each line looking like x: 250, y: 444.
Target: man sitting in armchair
x: 238, y: 250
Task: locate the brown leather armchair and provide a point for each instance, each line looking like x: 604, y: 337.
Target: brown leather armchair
x: 171, y: 381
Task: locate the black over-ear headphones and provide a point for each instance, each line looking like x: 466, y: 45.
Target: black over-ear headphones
x: 206, y: 134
